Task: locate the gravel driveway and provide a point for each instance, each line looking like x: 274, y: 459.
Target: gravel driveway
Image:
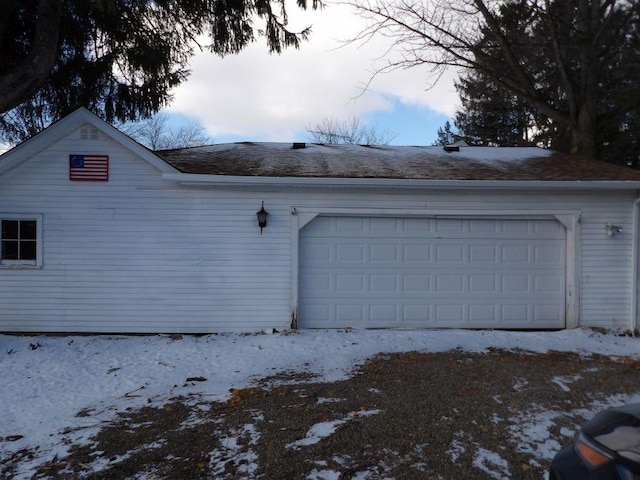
x: 408, y: 416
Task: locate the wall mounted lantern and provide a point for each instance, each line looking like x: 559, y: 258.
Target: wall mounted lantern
x: 612, y: 230
x: 262, y: 217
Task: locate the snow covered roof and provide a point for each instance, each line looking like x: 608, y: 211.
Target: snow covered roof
x: 392, y: 162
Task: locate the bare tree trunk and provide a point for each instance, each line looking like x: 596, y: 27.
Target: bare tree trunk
x: 584, y: 129
x: 584, y: 134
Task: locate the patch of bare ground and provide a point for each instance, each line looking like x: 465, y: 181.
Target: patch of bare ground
x: 407, y: 416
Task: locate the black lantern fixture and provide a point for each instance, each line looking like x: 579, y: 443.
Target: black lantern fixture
x: 262, y: 217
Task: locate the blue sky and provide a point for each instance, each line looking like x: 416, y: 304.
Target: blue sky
x: 413, y: 125
x: 410, y: 125
x: 254, y: 96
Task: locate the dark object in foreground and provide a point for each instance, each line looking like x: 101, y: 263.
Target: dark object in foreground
x: 607, y: 448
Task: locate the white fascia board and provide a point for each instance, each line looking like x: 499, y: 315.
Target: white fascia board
x: 396, y: 183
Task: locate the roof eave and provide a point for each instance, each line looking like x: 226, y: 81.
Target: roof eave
x: 399, y: 183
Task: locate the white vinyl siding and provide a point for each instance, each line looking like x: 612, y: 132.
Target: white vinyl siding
x: 137, y: 254
x: 606, y: 263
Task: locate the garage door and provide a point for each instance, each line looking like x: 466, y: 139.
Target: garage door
x: 431, y: 272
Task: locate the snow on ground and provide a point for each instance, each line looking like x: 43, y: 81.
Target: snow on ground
x: 48, y: 380
x: 492, y: 464
x: 324, y: 429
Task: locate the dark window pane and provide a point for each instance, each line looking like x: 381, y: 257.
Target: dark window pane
x: 28, y: 250
x: 27, y: 230
x: 9, y: 229
x: 19, y: 240
x: 9, y: 250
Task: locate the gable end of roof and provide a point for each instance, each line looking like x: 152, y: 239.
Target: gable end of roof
x: 63, y: 127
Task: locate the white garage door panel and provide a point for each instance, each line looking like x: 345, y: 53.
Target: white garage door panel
x: 476, y: 273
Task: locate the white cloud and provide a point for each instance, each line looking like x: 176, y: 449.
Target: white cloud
x: 271, y: 97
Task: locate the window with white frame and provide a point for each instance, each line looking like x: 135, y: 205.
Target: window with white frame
x: 20, y: 240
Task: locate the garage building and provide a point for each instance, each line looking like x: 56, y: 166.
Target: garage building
x: 100, y: 235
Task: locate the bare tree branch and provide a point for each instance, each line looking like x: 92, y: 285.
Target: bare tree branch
x: 349, y: 131
x: 158, y: 133
x: 553, y: 54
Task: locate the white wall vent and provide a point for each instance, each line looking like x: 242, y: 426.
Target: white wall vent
x: 89, y: 133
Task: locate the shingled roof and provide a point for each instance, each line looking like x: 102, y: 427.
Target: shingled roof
x: 393, y: 162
